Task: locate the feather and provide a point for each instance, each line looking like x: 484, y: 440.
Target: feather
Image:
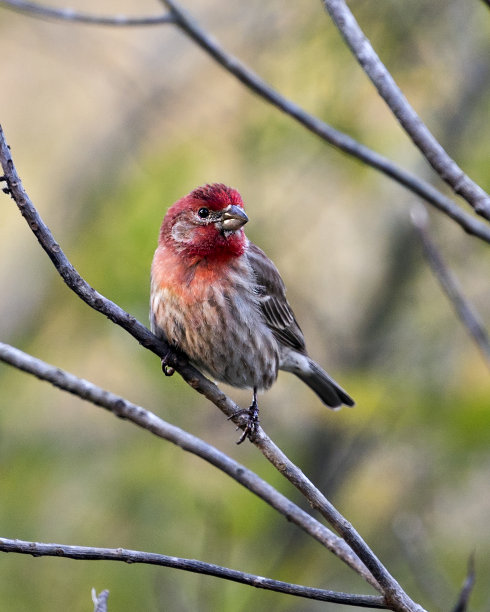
x: 272, y: 299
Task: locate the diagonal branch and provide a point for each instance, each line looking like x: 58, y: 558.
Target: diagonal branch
x: 396, y: 597
x: 465, y: 311
x: 38, y: 549
x: 37, y: 10
x: 145, y: 419
x: 327, y: 133
x: 387, y: 88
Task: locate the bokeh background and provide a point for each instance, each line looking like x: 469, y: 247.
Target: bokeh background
x: 108, y: 127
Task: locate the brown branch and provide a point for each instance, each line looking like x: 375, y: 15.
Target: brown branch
x: 465, y: 311
x: 395, y: 596
x: 38, y: 549
x: 387, y: 88
x: 37, y: 10
x: 147, y: 420
x: 327, y: 133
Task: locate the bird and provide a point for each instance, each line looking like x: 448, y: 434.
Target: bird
x: 216, y: 297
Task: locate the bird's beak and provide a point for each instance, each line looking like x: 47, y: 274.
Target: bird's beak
x: 233, y: 218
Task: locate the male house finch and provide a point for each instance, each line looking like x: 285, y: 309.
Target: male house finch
x: 219, y: 299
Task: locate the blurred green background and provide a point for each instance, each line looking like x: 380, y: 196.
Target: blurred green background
x: 107, y: 128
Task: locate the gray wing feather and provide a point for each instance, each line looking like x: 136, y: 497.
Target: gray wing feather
x: 272, y: 299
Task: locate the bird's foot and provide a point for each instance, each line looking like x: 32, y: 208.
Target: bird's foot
x: 252, y: 426
x: 4, y: 179
x: 166, y: 369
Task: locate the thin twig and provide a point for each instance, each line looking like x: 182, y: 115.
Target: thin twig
x: 37, y: 10
x: 100, y: 600
x: 395, y: 596
x: 464, y: 309
x: 329, y: 134
x: 469, y: 583
x: 419, y: 133
x: 145, y: 419
x: 38, y: 549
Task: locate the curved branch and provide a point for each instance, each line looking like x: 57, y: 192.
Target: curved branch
x: 38, y: 549
x: 465, y: 311
x: 396, y: 597
x: 327, y: 133
x: 145, y: 419
x: 419, y: 133
x: 37, y: 10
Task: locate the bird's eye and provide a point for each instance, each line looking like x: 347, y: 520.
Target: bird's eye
x: 203, y: 213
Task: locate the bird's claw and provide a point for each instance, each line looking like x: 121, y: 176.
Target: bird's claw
x: 4, y: 179
x: 166, y: 369
x: 252, y: 427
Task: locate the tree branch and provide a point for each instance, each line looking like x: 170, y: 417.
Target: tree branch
x: 36, y: 10
x: 38, y: 549
x: 387, y: 88
x: 465, y: 311
x: 327, y: 133
x: 396, y: 598
x: 145, y: 419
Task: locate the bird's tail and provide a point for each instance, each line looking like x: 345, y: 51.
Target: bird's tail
x: 330, y: 392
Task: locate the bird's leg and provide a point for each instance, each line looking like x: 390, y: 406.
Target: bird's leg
x: 253, y: 419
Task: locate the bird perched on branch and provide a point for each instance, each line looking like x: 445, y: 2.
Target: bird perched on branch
x: 217, y: 297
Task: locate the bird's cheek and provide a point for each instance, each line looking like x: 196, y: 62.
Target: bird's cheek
x: 182, y: 231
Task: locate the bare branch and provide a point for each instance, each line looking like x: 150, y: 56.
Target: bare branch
x: 421, y: 136
x: 469, y: 583
x: 329, y: 134
x: 396, y: 598
x: 37, y: 10
x: 465, y: 311
x: 100, y: 600
x: 145, y: 419
x: 38, y: 549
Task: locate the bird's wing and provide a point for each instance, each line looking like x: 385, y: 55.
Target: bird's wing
x: 272, y: 299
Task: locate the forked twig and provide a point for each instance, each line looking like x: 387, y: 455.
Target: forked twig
x: 100, y: 600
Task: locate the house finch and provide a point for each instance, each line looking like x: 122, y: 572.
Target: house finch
x: 219, y: 299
